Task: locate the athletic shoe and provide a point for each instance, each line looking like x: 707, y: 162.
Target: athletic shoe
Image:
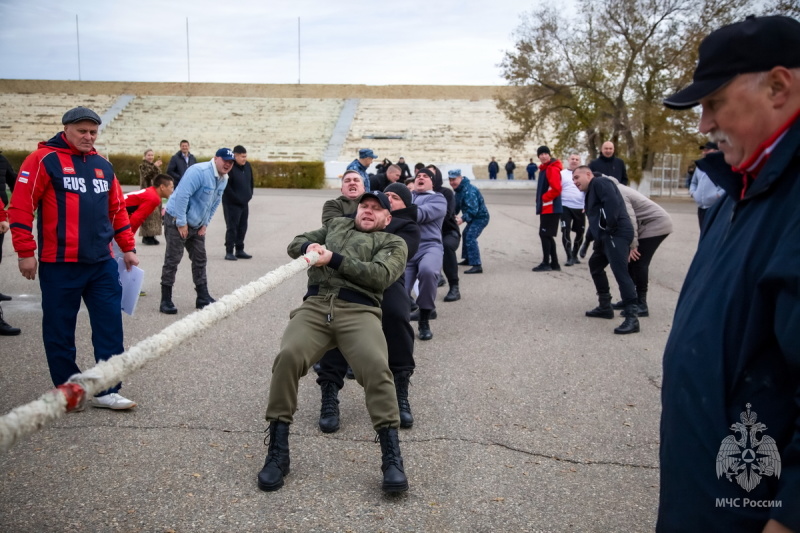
x: 113, y: 401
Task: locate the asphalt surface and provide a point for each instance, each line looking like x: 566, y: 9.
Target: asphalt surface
x: 528, y: 415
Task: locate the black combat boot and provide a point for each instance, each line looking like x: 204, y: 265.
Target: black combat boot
x: 167, y: 307
x: 394, y: 476
x: 415, y: 315
x: 641, y: 306
x: 9, y: 330
x: 575, y: 251
x: 453, y: 294
x: 425, y: 333
x: 631, y: 323
x: 568, y: 251
x: 329, y: 411
x: 401, y: 383
x: 604, y: 310
x: 276, y: 465
x: 618, y: 305
x: 203, y: 298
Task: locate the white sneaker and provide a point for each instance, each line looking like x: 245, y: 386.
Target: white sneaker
x: 113, y: 401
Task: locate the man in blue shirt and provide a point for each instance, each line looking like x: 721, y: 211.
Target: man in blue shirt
x: 188, y: 212
x: 360, y: 165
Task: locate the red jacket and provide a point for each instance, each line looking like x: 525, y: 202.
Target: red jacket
x: 140, y: 205
x: 548, y: 188
x: 3, y: 214
x: 79, y: 203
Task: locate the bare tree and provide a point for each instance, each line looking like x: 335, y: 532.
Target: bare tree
x: 602, y: 75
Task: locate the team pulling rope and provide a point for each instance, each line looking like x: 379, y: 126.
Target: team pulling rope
x: 31, y: 417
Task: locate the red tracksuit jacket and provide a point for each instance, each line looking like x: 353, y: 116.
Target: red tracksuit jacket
x: 140, y: 205
x: 79, y: 202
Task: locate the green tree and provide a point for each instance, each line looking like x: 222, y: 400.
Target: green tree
x: 602, y: 74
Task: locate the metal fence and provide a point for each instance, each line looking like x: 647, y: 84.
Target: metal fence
x: 667, y: 175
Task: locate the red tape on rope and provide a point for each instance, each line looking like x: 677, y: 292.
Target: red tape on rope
x: 74, y: 394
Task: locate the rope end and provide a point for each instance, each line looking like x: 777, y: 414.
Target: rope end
x: 74, y: 394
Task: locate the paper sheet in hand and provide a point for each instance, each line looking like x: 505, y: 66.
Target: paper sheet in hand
x: 131, y: 282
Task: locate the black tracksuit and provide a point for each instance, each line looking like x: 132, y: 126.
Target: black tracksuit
x: 610, y: 227
x: 237, y: 195
x: 395, y: 308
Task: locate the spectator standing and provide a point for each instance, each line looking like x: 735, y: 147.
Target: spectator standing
x: 361, y: 164
x: 610, y: 165
x: 73, y: 194
x: 8, y: 177
x: 531, y: 170
x: 732, y: 358
x: 471, y: 210
x: 188, y: 213
x: 405, y: 172
x: 179, y: 162
x: 573, y: 218
x: 548, y: 207
x: 5, y: 327
x: 494, y: 168
x: 510, y: 166
x: 235, y: 200
x: 702, y: 188
x: 149, y: 168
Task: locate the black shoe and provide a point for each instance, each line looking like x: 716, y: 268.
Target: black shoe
x: 464, y: 263
x: 349, y: 374
x: 203, y: 297
x: 441, y: 281
x: 477, y: 269
x: 156, y: 241
x: 167, y: 307
x: 241, y: 254
x: 601, y: 312
x: 394, y: 476
x: 7, y: 329
x: 555, y: 266
x: 276, y: 465
x: 230, y: 257
x: 401, y: 383
x: 618, y: 305
x: 415, y: 315
x: 571, y: 261
x: 542, y: 267
x: 631, y: 323
x: 4, y: 297
x: 641, y: 310
x: 149, y: 241
x: 425, y: 333
x: 329, y: 410
x: 452, y: 295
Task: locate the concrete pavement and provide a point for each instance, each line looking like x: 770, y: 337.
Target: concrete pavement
x: 529, y: 416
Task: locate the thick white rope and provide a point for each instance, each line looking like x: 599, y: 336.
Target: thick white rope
x: 31, y: 417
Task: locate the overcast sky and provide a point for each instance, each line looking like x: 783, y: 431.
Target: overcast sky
x: 418, y: 42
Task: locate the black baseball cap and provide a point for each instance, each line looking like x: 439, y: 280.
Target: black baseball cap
x: 378, y: 195
x: 757, y: 44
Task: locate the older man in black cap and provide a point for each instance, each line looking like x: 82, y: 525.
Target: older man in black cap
x: 74, y: 197
x: 731, y: 385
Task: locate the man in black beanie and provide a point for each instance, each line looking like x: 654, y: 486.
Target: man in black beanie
x: 235, y: 202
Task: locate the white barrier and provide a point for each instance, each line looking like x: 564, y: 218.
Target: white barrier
x: 31, y: 417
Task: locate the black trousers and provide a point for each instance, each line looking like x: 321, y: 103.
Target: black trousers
x: 399, y: 339
x: 613, y: 250
x: 236, y: 224
x: 640, y: 269
x: 450, y: 244
x: 572, y: 220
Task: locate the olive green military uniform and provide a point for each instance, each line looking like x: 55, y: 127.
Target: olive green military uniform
x: 342, y: 309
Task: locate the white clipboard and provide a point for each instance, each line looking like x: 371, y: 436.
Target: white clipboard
x: 130, y: 280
